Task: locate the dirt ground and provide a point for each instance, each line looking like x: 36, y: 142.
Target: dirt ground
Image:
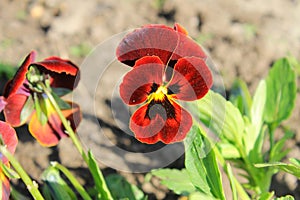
x: 243, y: 38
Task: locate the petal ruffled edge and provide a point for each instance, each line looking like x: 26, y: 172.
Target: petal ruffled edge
x: 63, y: 72
x: 9, y: 137
x: 191, y: 79
x: 138, y: 83
x: 169, y: 130
x: 153, y: 39
x: 50, y: 133
x: 20, y: 76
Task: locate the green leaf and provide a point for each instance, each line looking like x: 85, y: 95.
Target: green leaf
x: 27, y: 110
x: 257, y: 109
x: 231, y: 180
x: 289, y: 168
x: 9, y: 172
x: 266, y: 196
x: 240, y: 96
x: 61, y: 91
x: 287, y: 197
x: 16, y: 194
x: 228, y: 151
x: 41, y: 109
x: 103, y: 191
x: 200, y: 195
x: 121, y: 189
x: 281, y: 92
x: 222, y: 117
x: 277, y: 152
x: 61, y: 103
x: 295, y: 161
x: 201, y: 164
x: 176, y: 180
x: 56, y: 185
x: 72, y: 180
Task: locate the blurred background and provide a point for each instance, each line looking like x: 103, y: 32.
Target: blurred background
x: 243, y: 38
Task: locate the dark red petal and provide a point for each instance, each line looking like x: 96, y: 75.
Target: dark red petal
x: 157, y: 124
x: 50, y: 133
x: 13, y: 109
x: 186, y: 47
x: 9, y: 138
x: 20, y: 76
x: 5, y: 186
x: 158, y: 40
x: 138, y: 83
x: 191, y: 79
x: 64, y: 73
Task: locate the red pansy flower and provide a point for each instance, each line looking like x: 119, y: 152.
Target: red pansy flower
x: 25, y: 100
x: 10, y: 140
x: 167, y: 66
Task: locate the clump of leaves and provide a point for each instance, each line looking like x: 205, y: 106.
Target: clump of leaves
x: 244, y: 124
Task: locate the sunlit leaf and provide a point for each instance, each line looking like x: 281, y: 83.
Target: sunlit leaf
x: 103, y: 192
x: 289, y: 168
x: 257, y: 108
x: 176, y: 180
x: 287, y: 197
x: 281, y: 92
x: 221, y: 116
x: 201, y: 164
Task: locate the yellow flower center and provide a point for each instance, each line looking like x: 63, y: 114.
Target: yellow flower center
x: 159, y: 94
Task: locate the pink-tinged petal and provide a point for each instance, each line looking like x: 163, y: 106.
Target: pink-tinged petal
x: 14, y: 85
x: 9, y: 138
x: 13, y: 109
x: 5, y: 186
x: 162, y: 121
x: 155, y: 39
x: 63, y: 73
x: 2, y: 103
x: 191, y: 79
x: 50, y: 133
x: 140, y: 81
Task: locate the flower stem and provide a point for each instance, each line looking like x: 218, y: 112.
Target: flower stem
x: 72, y: 179
x: 32, y: 186
x: 103, y: 190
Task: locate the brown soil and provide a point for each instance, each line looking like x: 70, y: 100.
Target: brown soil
x: 243, y: 37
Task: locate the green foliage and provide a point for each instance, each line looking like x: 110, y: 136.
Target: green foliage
x: 103, y: 192
x: 281, y: 92
x: 9, y: 172
x: 176, y: 180
x: 121, y: 189
x: 56, y: 186
x: 292, y: 168
x: 201, y: 164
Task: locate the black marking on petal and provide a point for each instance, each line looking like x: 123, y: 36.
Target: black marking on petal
x: 173, y: 89
x: 163, y: 108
